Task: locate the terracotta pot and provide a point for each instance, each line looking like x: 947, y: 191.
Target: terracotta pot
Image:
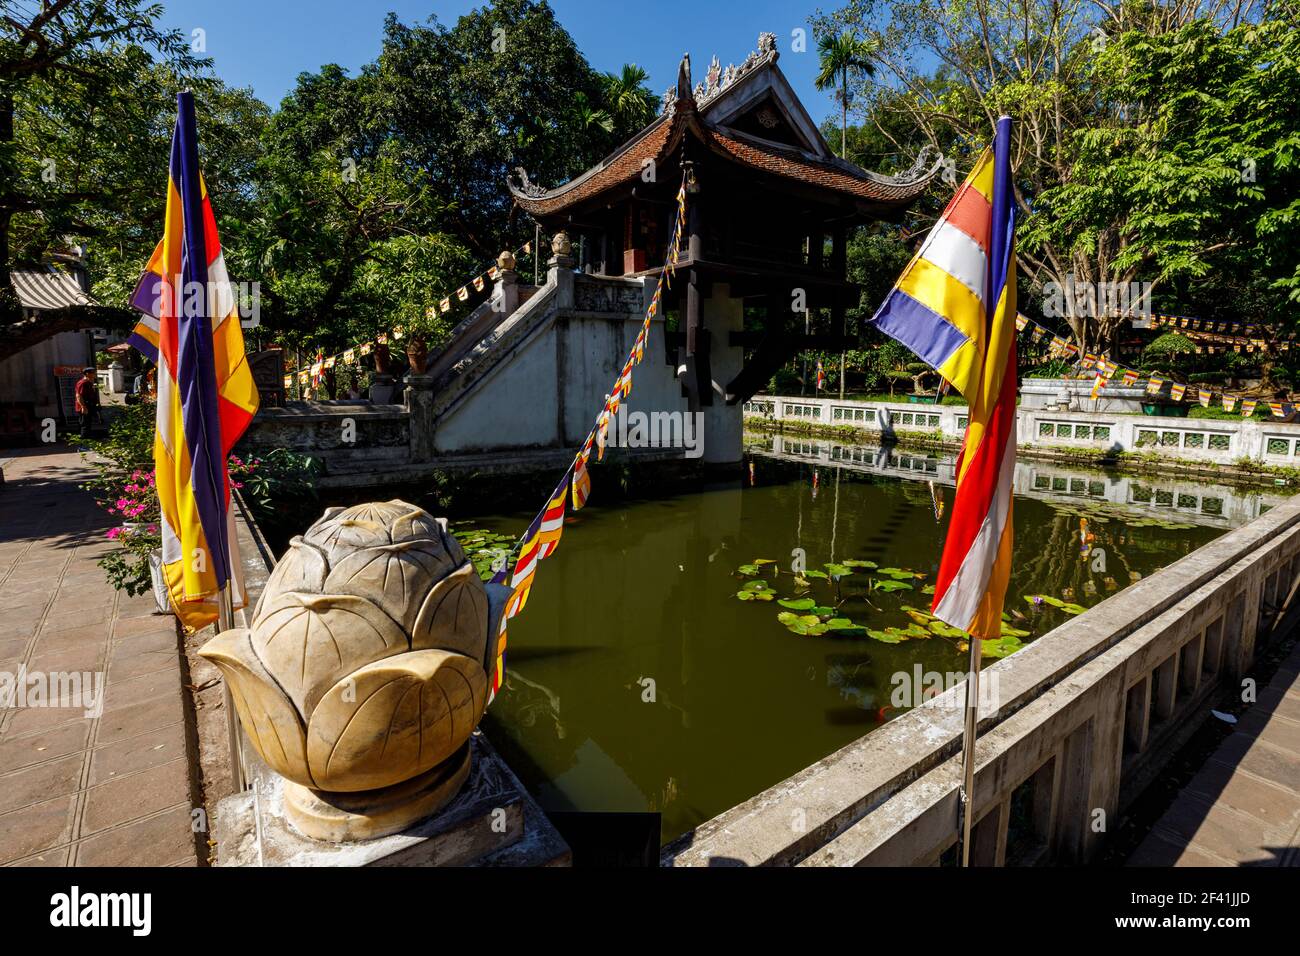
x: 417, y: 353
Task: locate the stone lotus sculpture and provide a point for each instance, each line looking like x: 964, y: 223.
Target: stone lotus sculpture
x: 364, y: 670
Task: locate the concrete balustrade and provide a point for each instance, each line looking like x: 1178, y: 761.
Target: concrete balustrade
x: 1214, y: 441
x: 1085, y: 717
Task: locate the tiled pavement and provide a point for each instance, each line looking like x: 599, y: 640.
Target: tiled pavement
x: 112, y: 790
x: 1243, y: 807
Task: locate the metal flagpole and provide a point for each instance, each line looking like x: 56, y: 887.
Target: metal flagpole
x: 968, y: 749
x: 225, y: 621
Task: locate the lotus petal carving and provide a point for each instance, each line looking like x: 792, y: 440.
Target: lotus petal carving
x: 394, y: 718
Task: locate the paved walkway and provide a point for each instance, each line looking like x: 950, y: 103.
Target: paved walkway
x: 1243, y: 807
x: 108, y: 790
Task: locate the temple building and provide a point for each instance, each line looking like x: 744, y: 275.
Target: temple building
x: 769, y: 205
x: 760, y: 276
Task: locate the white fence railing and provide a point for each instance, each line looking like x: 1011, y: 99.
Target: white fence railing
x: 1219, y: 441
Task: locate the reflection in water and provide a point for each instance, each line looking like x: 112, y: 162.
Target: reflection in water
x: 637, y: 681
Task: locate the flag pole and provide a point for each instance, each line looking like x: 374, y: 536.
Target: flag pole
x: 225, y: 621
x: 968, y: 748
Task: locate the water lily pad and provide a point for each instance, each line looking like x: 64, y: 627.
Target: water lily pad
x: 797, y: 604
x: 855, y: 563
x: 890, y: 635
x: 838, y: 570
x: 747, y: 570
x: 946, y: 630
x: 820, y: 575
x: 802, y: 624
x: 1000, y: 647
x: 891, y: 586
x: 898, y: 573
x: 1073, y: 608
x: 922, y: 619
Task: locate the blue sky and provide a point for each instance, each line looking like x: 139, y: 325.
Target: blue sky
x: 266, y: 44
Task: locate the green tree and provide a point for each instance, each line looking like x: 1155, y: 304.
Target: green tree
x: 628, y: 98
x: 951, y: 67
x: 68, y: 72
x: 1200, y: 162
x: 841, y: 57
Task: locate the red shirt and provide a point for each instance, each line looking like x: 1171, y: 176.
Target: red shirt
x: 87, y: 395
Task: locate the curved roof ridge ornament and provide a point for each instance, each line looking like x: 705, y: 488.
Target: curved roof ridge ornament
x: 684, y: 77
x: 916, y: 173
x: 718, y: 80
x: 526, y: 186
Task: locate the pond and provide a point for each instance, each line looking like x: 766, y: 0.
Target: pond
x: 655, y: 668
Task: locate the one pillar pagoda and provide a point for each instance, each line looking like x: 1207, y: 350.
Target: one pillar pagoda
x: 769, y: 205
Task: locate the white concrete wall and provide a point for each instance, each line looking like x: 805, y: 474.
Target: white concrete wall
x: 551, y: 390
x: 29, y: 375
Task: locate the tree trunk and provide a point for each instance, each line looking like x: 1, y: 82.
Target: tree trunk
x: 6, y: 208
x: 844, y: 116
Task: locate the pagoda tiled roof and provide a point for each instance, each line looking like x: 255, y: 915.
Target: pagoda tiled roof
x: 658, y: 141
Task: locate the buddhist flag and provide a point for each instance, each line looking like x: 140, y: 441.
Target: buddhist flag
x: 445, y: 305
x: 1154, y: 386
x: 1130, y: 377
x: 602, y: 431
x: 581, y: 480
x: 1021, y: 322
x: 1248, y: 407
x: 206, y: 394
x: 1229, y: 402
x: 955, y: 307
x: 1176, y: 391
x: 821, y: 376
x: 1098, y: 384
x: 1276, y: 409
x: 1203, y: 396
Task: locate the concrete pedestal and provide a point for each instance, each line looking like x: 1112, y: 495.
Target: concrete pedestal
x: 491, y: 822
x: 723, y: 424
x: 419, y: 402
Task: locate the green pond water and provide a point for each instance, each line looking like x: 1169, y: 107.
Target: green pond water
x: 637, y: 680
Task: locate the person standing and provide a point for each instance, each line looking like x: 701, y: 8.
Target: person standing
x: 87, y: 400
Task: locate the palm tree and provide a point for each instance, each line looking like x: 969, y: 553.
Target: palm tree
x: 588, y: 116
x: 840, y: 56
x: 626, y: 96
